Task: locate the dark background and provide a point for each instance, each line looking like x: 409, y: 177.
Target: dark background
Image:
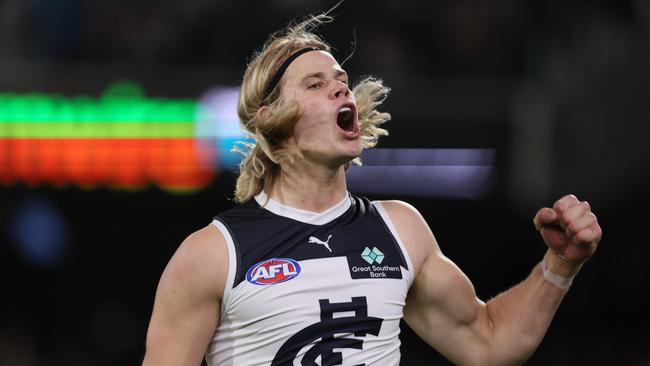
x: 559, y: 88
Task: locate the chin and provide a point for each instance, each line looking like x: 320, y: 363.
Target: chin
x: 354, y: 148
x: 339, y: 156
x: 345, y: 158
x: 351, y: 156
x: 353, y: 153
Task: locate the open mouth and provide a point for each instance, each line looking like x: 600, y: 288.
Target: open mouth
x: 345, y: 119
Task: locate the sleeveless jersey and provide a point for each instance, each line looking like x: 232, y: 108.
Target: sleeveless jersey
x: 307, y: 288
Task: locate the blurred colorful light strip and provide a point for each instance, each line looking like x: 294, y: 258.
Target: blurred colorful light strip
x: 451, y: 173
x: 120, y: 140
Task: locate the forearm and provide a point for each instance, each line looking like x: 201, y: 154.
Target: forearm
x: 520, y: 317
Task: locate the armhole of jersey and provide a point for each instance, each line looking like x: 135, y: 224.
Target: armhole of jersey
x: 233, y: 263
x: 389, y: 223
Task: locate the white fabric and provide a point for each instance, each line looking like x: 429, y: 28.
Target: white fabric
x: 308, y: 217
x: 256, y: 321
x: 559, y: 281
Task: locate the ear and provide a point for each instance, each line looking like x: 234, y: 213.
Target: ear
x: 263, y: 114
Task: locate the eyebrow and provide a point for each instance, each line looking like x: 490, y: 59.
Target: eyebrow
x: 321, y: 75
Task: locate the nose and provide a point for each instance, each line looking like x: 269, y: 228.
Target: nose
x: 340, y: 89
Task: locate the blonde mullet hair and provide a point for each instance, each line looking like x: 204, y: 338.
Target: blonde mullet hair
x: 263, y: 158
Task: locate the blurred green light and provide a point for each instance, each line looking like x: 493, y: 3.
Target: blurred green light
x: 119, y: 104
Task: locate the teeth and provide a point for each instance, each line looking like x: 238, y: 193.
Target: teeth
x: 345, y: 109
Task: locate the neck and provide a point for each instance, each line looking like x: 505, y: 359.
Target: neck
x: 309, y: 186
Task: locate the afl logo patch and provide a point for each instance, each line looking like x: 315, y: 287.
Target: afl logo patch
x: 272, y: 271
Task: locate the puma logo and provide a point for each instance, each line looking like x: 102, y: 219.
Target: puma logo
x: 315, y: 240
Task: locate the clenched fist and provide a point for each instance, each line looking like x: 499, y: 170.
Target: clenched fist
x: 570, y: 230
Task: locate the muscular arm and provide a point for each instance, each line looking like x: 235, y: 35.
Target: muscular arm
x: 503, y: 331
x: 188, y: 298
x: 443, y: 309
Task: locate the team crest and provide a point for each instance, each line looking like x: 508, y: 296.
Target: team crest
x: 272, y: 271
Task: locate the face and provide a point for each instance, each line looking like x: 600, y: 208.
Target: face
x: 328, y: 129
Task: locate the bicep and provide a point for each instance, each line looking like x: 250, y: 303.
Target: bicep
x: 442, y: 308
x: 187, y: 305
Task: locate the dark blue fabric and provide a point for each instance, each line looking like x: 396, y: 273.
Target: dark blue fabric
x: 259, y: 234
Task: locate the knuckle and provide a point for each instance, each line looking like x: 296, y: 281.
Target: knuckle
x: 566, y: 202
x: 569, y: 199
x: 576, y: 211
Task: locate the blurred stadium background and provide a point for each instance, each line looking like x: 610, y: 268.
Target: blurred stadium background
x: 116, y: 118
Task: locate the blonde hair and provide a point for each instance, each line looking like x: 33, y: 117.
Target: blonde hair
x: 262, y: 159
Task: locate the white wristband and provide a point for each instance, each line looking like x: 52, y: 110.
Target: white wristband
x: 559, y: 281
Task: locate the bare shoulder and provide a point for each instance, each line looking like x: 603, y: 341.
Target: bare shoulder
x: 399, y: 209
x: 188, y: 298
x: 412, y: 229
x: 406, y: 218
x: 205, y: 241
x: 200, y: 262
